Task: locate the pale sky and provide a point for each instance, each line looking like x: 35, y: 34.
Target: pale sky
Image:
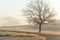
x: 12, y: 8
x: 56, y: 5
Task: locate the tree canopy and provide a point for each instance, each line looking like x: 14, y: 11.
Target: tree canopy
x: 40, y: 11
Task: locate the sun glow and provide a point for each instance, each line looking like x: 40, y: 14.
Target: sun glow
x: 56, y: 5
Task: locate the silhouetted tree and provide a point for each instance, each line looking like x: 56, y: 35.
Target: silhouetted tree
x: 39, y: 11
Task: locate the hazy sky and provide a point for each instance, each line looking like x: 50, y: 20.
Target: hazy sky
x: 12, y: 8
x: 56, y: 5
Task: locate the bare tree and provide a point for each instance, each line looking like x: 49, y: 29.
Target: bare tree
x: 39, y: 11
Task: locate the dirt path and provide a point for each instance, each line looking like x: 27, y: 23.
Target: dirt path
x: 51, y: 37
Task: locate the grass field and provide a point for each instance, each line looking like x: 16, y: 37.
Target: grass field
x: 10, y: 33
x: 28, y: 31
x: 32, y: 29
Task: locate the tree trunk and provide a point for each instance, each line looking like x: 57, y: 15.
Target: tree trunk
x: 40, y: 27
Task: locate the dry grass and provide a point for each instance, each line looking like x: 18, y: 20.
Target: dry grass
x: 22, y: 38
x: 26, y: 36
x: 51, y: 32
x: 26, y: 30
x: 22, y: 35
